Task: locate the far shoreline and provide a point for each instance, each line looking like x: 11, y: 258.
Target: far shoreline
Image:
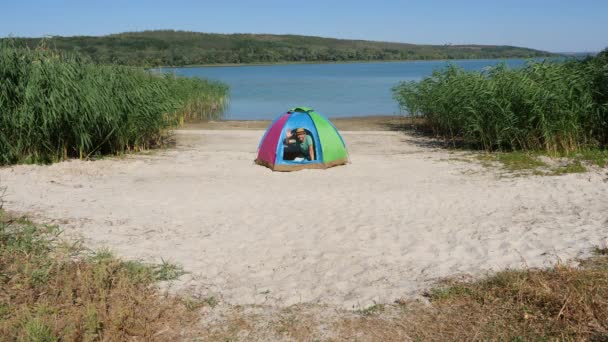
x: 348, y: 62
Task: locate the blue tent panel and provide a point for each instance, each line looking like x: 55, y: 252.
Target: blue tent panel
x: 297, y: 120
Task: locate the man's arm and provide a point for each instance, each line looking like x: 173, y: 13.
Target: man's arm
x: 311, y: 152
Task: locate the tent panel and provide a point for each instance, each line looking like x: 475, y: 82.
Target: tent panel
x: 268, y: 129
x: 297, y: 120
x: 301, y: 109
x: 267, y: 151
x: 332, y: 144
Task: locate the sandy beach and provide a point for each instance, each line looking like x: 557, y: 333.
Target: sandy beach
x: 401, y: 216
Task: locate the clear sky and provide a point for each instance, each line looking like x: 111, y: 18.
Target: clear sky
x: 553, y: 25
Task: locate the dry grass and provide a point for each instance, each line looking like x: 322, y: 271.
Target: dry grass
x: 561, y: 303
x: 50, y: 291
x: 564, y: 303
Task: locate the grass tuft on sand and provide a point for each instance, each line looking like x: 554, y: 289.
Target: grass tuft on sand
x: 560, y: 303
x: 51, y: 291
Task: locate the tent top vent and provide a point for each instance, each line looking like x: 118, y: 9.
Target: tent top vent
x: 301, y: 110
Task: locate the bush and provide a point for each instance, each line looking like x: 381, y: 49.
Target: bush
x: 56, y: 106
x: 552, y: 106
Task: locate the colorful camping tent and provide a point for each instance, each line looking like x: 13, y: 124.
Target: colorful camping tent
x: 328, y: 145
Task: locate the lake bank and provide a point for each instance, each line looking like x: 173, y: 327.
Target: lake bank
x: 349, y: 62
x: 363, y: 123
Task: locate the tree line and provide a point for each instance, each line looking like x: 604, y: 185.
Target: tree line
x: 180, y: 48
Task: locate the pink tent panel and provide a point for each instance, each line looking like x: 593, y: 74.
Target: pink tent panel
x: 268, y: 150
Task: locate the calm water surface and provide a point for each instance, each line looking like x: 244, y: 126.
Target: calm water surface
x: 335, y: 90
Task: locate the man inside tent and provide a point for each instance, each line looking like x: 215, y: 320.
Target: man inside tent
x: 302, y: 145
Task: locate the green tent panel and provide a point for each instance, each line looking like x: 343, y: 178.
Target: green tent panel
x: 331, y: 142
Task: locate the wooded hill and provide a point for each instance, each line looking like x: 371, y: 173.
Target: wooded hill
x: 179, y: 48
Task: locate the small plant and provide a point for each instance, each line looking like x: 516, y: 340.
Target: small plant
x: 601, y: 250
x: 101, y: 255
x: 371, y: 310
x: 211, y: 301
x: 515, y: 161
x: 574, y: 167
x: 194, y: 303
x: 594, y: 157
x: 167, y: 271
x: 439, y: 293
x: 35, y: 330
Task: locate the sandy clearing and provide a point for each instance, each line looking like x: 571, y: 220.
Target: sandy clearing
x: 386, y: 226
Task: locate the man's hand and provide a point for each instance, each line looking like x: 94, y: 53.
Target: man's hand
x: 288, y: 133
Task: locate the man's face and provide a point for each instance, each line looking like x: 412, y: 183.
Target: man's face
x: 301, y: 137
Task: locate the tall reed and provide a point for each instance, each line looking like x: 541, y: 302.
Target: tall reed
x: 552, y: 106
x: 55, y: 106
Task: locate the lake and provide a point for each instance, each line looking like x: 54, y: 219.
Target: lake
x: 335, y: 90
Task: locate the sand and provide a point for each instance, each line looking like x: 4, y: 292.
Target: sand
x: 400, y: 217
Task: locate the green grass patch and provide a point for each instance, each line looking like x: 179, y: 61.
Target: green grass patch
x: 371, y: 310
x: 554, y: 165
x: 512, y: 161
x: 167, y: 271
x: 443, y: 292
x: 593, y: 156
x: 138, y: 270
x: 519, y: 161
x: 573, y: 167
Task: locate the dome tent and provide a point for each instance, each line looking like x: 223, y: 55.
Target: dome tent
x: 328, y: 145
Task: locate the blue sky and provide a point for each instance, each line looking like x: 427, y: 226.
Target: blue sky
x: 556, y: 25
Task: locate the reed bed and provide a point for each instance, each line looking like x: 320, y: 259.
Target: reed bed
x: 55, y: 106
x: 551, y: 106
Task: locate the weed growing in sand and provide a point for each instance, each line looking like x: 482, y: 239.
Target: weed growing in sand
x: 523, y: 163
x: 164, y: 271
x: 575, y: 167
x: 590, y: 156
x: 514, y: 161
x: 601, y: 251
x: 167, y: 271
x: 194, y: 303
x: 371, y: 310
